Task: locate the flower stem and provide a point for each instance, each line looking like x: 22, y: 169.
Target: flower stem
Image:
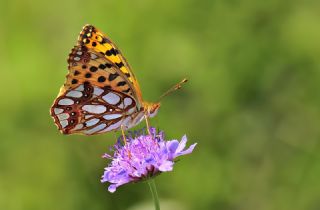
x: 154, y: 193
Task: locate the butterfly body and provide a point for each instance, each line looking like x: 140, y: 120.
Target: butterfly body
x: 101, y: 93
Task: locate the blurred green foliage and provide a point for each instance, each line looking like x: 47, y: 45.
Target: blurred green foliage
x: 252, y: 102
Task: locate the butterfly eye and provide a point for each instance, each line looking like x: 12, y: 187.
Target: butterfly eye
x: 73, y: 113
x: 71, y: 122
x: 86, y: 95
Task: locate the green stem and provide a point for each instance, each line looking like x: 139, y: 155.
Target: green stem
x: 154, y: 193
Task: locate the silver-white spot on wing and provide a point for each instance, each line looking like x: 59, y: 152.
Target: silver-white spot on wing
x: 132, y: 110
x: 92, y: 122
x: 57, y: 110
x: 111, y: 98
x: 97, y: 109
x: 121, y: 106
x: 79, y: 53
x: 95, y: 129
x: 127, y: 102
x: 88, y: 116
x: 112, y: 127
x: 97, y: 91
x: 93, y: 56
x: 78, y: 127
x: 80, y: 88
x: 111, y: 116
x: 76, y: 58
x: 64, y: 123
x: 63, y: 116
x: 66, y: 101
x: 75, y: 94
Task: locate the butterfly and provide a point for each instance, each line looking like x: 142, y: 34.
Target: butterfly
x: 101, y: 93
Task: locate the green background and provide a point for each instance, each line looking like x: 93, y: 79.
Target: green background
x: 252, y: 103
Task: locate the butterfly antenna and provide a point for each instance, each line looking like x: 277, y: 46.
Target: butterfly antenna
x: 174, y: 88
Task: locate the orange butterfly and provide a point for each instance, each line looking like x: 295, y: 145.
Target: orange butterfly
x: 100, y: 93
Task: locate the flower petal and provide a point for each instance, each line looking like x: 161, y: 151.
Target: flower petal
x: 166, y: 166
x: 172, y: 146
x: 182, y: 144
x: 187, y: 151
x: 105, y: 155
x: 112, y: 188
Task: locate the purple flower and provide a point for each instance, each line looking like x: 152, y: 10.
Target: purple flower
x: 142, y: 157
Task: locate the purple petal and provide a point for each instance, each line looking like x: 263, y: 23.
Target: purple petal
x: 166, y: 166
x: 105, y: 155
x: 161, y: 135
x: 112, y: 188
x: 149, y: 160
x: 103, y: 179
x: 105, y: 176
x: 182, y: 144
x: 153, y: 131
x: 172, y: 146
x: 187, y: 151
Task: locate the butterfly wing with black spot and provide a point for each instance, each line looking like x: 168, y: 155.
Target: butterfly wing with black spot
x: 88, y: 66
x: 94, y: 39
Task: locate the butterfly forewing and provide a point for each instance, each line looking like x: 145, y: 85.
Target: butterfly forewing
x: 90, y: 109
x: 94, y: 39
x: 88, y: 66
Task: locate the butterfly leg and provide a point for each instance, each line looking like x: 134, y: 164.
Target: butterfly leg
x: 125, y: 140
x: 123, y: 134
x: 147, y: 122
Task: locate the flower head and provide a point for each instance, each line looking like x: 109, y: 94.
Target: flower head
x: 142, y: 157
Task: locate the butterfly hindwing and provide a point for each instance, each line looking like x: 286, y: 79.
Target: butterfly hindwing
x: 89, y: 110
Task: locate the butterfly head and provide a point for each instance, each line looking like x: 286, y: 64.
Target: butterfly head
x: 151, y: 108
